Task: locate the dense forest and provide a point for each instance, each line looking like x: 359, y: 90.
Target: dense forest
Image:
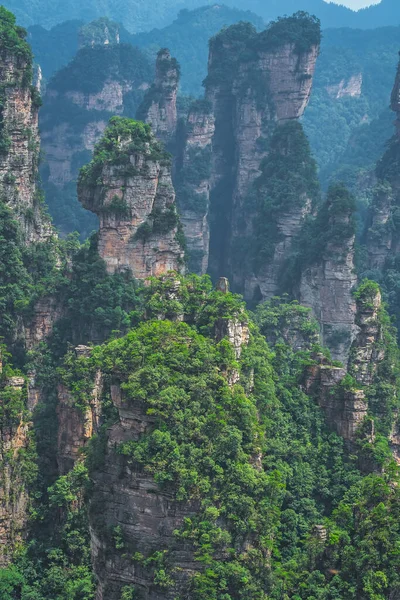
x: 140, y: 16
x: 199, y: 359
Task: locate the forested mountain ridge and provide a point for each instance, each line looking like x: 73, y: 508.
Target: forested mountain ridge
x: 140, y: 16
x: 158, y: 441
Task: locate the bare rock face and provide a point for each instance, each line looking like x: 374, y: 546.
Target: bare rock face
x: 76, y: 424
x: 368, y: 349
x: 103, y: 80
x: 326, y: 286
x: 344, y: 405
x: 129, y: 498
x: 194, y: 182
x: 345, y: 409
x: 46, y: 312
x: 351, y: 87
x: 19, y: 138
x: 158, y: 108
x: 128, y: 185
x: 253, y: 84
x: 380, y: 239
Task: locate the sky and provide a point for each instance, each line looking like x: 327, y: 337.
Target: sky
x: 355, y: 4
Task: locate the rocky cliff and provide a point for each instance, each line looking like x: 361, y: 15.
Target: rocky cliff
x: 159, y: 103
x: 19, y: 138
x: 382, y: 233
x: 16, y: 454
x: 346, y: 400
x: 256, y: 82
x: 128, y: 185
x: 193, y: 182
x: 327, y: 282
x: 77, y: 423
x: 138, y: 521
x: 102, y: 80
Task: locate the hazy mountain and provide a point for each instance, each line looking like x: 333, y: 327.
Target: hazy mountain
x: 142, y: 15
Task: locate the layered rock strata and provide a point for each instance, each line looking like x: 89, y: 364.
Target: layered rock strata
x: 132, y: 193
x: 158, y: 108
x: 77, y: 424
x: 128, y: 501
x: 76, y: 113
x: 14, y: 442
x: 346, y: 404
x: 327, y: 284
x: 249, y: 97
x: 193, y: 183
x: 19, y: 137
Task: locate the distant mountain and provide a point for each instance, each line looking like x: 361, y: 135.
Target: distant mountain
x: 143, y: 15
x: 187, y: 38
x: 348, y: 120
x: 54, y: 48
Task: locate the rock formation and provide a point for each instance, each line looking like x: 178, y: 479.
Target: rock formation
x: 382, y: 236
x: 158, y: 108
x: 77, y: 424
x: 327, y: 282
x: 99, y: 83
x: 193, y: 182
x: 99, y: 32
x: 345, y: 401
x: 14, y: 443
x: 254, y: 84
x: 128, y: 185
x: 145, y: 514
x: 351, y: 87
x: 19, y: 138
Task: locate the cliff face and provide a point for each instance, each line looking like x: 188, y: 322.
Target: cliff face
x: 193, y: 184
x: 131, y: 191
x: 138, y: 521
x: 326, y: 285
x: 77, y: 424
x: 347, y: 403
x: 100, y: 82
x: 158, y: 108
x: 254, y: 85
x: 15, y: 442
x: 382, y: 236
x: 19, y: 138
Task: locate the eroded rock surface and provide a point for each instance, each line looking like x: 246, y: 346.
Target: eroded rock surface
x: 132, y: 193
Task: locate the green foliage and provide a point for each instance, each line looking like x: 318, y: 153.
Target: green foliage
x: 349, y: 132
x: 333, y: 226
x: 96, y: 303
x: 301, y: 30
x: 12, y: 39
x: 92, y: 67
x: 122, y: 138
x: 288, y: 181
x: 101, y: 31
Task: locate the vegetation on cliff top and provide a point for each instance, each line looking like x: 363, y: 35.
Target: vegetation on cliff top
x: 122, y: 138
x: 301, y: 29
x: 241, y: 43
x: 12, y: 38
x: 92, y: 67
